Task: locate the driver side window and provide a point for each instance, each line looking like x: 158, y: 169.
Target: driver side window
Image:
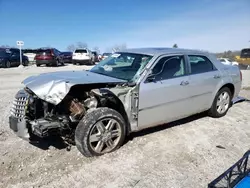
x: 169, y: 67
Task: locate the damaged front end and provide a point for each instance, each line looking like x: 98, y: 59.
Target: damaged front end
x: 53, y: 105
x: 31, y: 115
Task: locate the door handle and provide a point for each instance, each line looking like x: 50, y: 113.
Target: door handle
x: 216, y: 76
x: 184, y: 83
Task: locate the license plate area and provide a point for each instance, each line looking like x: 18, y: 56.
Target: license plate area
x: 13, y: 121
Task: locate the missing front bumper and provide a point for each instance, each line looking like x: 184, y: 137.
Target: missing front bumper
x: 19, y: 127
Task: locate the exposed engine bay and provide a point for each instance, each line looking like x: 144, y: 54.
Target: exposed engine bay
x: 43, y: 118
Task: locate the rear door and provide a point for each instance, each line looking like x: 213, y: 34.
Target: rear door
x: 204, y: 80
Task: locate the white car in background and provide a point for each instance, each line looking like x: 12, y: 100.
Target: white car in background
x: 227, y: 61
x: 83, y: 56
x: 30, y: 54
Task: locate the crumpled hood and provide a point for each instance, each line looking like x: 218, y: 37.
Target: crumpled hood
x: 53, y: 87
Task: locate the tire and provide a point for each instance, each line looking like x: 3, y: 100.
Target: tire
x: 88, y: 126
x: 57, y: 63
x: 38, y: 65
x: 7, y: 64
x: 216, y: 111
x: 26, y: 63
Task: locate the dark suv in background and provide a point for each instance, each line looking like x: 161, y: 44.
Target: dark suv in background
x: 10, y: 57
x: 67, y: 57
x: 96, y: 59
x: 48, y: 57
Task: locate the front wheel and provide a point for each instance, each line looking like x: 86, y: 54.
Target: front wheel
x: 100, y: 131
x: 221, y: 103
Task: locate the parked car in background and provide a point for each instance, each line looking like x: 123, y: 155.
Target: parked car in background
x: 67, y: 57
x: 96, y: 56
x: 10, y: 57
x: 105, y: 55
x: 244, y: 59
x: 48, y: 57
x: 124, y: 93
x: 83, y: 56
x: 228, y: 61
x: 30, y: 53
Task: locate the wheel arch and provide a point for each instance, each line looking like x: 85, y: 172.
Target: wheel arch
x: 228, y: 85
x: 116, y: 104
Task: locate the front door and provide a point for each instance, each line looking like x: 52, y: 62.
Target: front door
x: 164, y: 95
x: 15, y: 58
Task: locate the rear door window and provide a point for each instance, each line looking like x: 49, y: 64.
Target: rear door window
x: 200, y: 64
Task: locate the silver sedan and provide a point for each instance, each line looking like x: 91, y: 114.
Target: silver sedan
x: 129, y: 91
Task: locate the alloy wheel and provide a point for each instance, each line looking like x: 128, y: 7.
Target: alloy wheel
x: 223, y: 102
x: 105, y: 135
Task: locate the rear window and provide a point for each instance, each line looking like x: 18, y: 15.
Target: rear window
x: 3, y: 52
x: 245, y: 53
x: 67, y: 53
x: 81, y: 51
x: 28, y: 51
x: 43, y: 51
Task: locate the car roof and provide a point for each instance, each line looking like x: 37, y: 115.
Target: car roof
x: 161, y: 51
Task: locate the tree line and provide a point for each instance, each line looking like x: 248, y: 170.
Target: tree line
x: 226, y: 54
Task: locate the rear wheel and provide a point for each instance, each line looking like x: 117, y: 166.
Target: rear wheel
x: 221, y: 103
x: 26, y: 63
x: 7, y: 64
x: 57, y: 63
x: 100, y: 131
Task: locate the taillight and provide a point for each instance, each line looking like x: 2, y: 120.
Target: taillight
x: 52, y: 53
x: 240, y: 76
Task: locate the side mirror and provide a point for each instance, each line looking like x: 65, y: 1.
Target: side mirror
x: 150, y: 78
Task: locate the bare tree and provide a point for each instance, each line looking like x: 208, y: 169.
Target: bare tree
x: 71, y: 47
x: 175, y: 46
x: 97, y: 49
x: 5, y: 46
x: 81, y: 45
x: 118, y: 47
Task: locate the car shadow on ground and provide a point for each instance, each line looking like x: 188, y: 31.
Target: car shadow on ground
x: 59, y: 143
x: 45, y: 143
x: 162, y: 127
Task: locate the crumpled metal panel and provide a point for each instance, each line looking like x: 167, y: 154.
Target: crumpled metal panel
x: 53, y: 87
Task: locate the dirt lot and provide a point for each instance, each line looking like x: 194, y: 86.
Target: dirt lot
x: 181, y: 155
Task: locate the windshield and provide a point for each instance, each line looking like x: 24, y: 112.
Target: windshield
x: 125, y: 66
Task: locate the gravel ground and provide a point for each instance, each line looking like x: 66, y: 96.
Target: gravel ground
x: 182, y: 154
